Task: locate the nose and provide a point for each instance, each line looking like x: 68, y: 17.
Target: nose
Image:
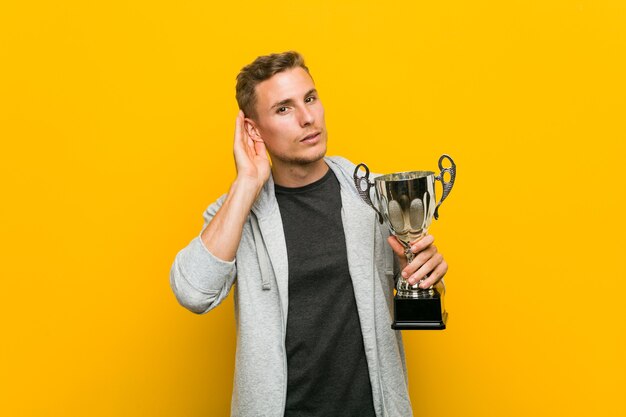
x: 306, y: 116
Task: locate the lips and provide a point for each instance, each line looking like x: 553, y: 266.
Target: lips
x: 310, y: 136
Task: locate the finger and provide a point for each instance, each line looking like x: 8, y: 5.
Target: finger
x: 238, y: 139
x: 425, y: 269
x: 238, y: 125
x: 435, y: 276
x: 422, y: 244
x: 419, y: 260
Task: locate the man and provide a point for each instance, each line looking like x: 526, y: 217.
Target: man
x: 315, y: 271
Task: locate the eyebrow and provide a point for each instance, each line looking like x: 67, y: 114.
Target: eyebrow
x: 290, y: 100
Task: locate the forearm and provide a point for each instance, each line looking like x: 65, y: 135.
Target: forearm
x: 204, y: 271
x: 222, y: 235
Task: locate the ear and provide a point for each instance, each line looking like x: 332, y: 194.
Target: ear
x: 252, y: 130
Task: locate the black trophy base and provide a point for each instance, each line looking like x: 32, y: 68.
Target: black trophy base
x: 425, y: 313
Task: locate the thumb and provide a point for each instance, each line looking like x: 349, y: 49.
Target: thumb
x: 398, y: 249
x: 396, y: 246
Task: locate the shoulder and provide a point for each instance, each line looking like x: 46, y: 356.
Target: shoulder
x: 343, y: 169
x: 344, y: 172
x: 341, y: 162
x: 346, y: 165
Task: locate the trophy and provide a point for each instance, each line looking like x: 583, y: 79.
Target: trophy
x: 406, y: 203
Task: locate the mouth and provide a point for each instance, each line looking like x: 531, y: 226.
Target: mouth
x: 310, y: 137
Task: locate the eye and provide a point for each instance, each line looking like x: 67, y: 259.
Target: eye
x: 310, y: 99
x: 281, y: 109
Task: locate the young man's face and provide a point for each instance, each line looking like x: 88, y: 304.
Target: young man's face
x: 290, y: 118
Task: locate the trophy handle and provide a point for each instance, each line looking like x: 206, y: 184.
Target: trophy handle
x: 447, y: 186
x: 363, y: 186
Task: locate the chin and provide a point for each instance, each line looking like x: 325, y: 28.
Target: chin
x: 319, y: 155
x: 308, y: 159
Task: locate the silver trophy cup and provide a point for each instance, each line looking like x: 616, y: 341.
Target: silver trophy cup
x: 405, y: 202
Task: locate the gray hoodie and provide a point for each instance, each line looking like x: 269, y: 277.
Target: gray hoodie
x: 201, y: 281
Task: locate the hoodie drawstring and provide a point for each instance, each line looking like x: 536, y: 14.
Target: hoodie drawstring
x: 261, y: 252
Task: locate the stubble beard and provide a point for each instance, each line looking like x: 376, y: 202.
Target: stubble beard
x: 306, y: 161
x: 302, y: 161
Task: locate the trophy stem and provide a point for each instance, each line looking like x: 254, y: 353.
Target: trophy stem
x: 408, y: 253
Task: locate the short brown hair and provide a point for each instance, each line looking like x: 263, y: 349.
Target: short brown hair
x: 261, y: 69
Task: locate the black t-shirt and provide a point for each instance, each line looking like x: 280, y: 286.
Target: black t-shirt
x: 327, y: 369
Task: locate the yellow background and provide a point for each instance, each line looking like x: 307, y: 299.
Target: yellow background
x: 116, y: 123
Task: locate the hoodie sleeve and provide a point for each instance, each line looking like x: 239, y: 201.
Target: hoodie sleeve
x: 199, y: 279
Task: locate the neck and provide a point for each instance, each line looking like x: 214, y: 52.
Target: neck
x: 298, y: 175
